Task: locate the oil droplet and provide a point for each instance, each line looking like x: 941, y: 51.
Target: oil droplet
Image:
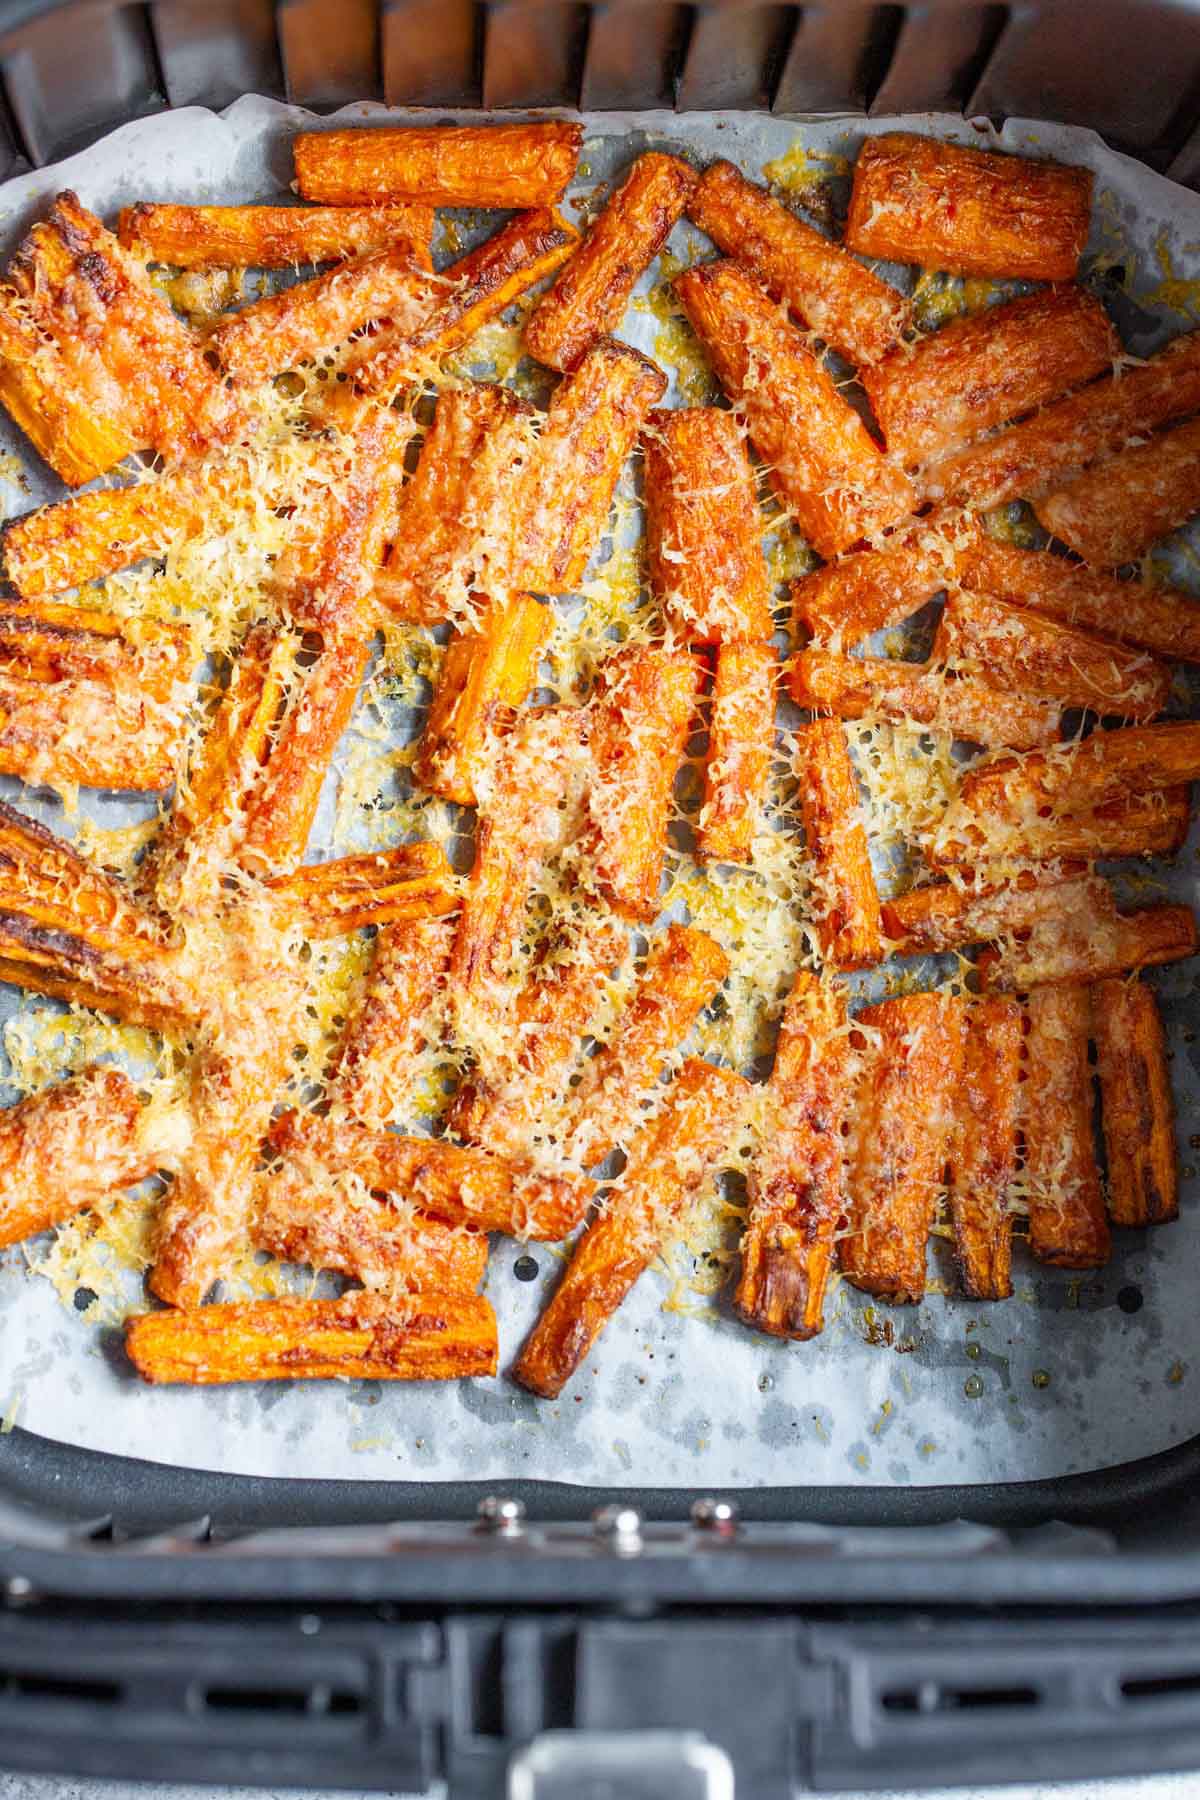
x: 973, y: 1387
x: 765, y: 1383
x: 973, y: 1352
x: 1041, y: 1378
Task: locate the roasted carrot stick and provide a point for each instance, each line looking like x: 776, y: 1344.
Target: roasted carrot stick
x: 364, y: 1337
x: 945, y: 916
x: 953, y: 385
x: 1089, y: 945
x: 272, y: 237
x: 1067, y: 1226
x: 462, y: 1186
x: 439, y: 165
x: 67, y: 734
x: 562, y: 503
x: 640, y: 714
x: 796, y: 1179
x: 844, y: 901
x: 1113, y: 512
x: 589, y: 298
x: 409, y: 882
x: 668, y: 1160
x: 377, y: 1241
x: 49, y: 642
x: 1136, y: 1107
x: 91, y: 535
x: 704, y: 528
x: 854, y: 687
x: 1012, y: 647
x: 969, y: 212
x: 79, y: 431
x: 823, y: 463
x: 848, y: 306
x: 66, y: 1147
x: 1032, y: 458
x: 1151, y: 824
x: 484, y: 678
x: 683, y: 969
x: 984, y: 1148
x: 394, y: 1016
x: 904, y: 1137
x: 741, y: 738
x: 850, y: 599
x: 1077, y: 777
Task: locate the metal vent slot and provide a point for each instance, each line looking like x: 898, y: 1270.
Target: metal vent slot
x: 320, y: 1700
x: 934, y: 1697
x: 938, y: 57
x: 213, y: 51
x: 734, y: 55
x: 61, y: 102
x: 534, y: 53
x: 1160, y: 1687
x: 432, y: 52
x: 18, y: 1685
x: 331, y: 51
x: 634, y: 55
x: 838, y: 57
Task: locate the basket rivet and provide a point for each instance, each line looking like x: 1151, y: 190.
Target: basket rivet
x: 717, y: 1516
x: 18, y: 1590
x: 619, y: 1526
x: 501, y: 1515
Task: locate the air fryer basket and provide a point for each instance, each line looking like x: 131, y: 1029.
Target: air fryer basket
x: 185, y: 1625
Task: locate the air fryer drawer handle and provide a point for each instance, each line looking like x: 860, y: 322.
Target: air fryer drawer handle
x: 620, y: 1765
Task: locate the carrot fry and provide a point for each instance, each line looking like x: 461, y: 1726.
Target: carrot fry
x: 1053, y: 445
x: 484, y: 679
x: 797, y: 1176
x: 303, y: 322
x: 683, y: 969
x: 1014, y: 648
x: 67, y: 734
x: 904, y: 1135
x: 92, y: 535
x: 984, y: 1148
x: 409, y: 882
x: 1135, y: 1104
x: 63, y: 1149
x: 375, y: 1062
x: 375, y: 1241
x: 1153, y: 824
x: 50, y: 642
x: 852, y: 598
x: 969, y: 212
x: 561, y: 505
x: 945, y: 916
x: 476, y: 288
x: 439, y: 165
x: 134, y: 357
x: 462, y: 1186
x: 79, y: 432
x: 1108, y: 766
x: 850, y: 307
x: 953, y: 385
x: 640, y: 716
x: 364, y: 1337
x: 272, y: 237
x: 823, y: 463
x: 741, y: 738
x: 1090, y: 945
x: 845, y: 903
x: 854, y: 687
x: 668, y: 1161
x: 704, y: 528
x: 589, y: 298
x: 1113, y: 512
x: 1067, y: 1226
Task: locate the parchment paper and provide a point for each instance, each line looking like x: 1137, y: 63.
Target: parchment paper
x: 1069, y: 1375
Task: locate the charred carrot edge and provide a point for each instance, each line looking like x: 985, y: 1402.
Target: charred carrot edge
x: 462, y: 1186
x: 824, y: 465
x: 68, y: 734
x: 562, y: 503
x: 853, y: 687
x: 1160, y: 619
x: 870, y: 590
x: 952, y: 386
x: 640, y: 717
x: 668, y: 1160
x: 411, y: 881
x: 845, y: 901
x: 1067, y: 1226
x: 1136, y: 1107
x: 796, y: 1179
x: 374, y: 1060
x: 94, y: 534
x: 1017, y: 649
x: 367, y: 1238
x: 499, y: 1106
x: 741, y: 739
x: 905, y: 1119
x: 703, y: 527
x: 476, y: 288
x: 849, y: 306
x: 272, y: 237
x: 683, y: 969
x: 1106, y: 767
x: 282, y: 330
x: 945, y: 916
x: 1152, y: 824
x: 79, y: 436
x: 64, y: 1148
x: 69, y: 267
x: 1113, y: 512
x: 439, y: 165
x: 589, y: 298
x: 1091, y: 949
x: 984, y: 1159
x: 484, y: 678
x: 49, y: 642
x: 970, y: 212
x: 375, y: 1337
x: 1030, y: 459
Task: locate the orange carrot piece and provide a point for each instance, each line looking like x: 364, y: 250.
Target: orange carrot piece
x: 1090, y: 944
x: 1113, y: 512
x: 49, y: 642
x: 1136, y: 1107
x: 373, y: 1240
x: 63, y: 1149
x: 852, y: 598
x: 854, y: 687
x: 741, y: 738
x: 1067, y: 1226
x: 80, y: 430
x: 375, y: 1062
x: 98, y: 734
x: 845, y: 902
x: 1106, y: 767
x: 1151, y: 824
x: 272, y: 237
x: 984, y: 1148
x: 484, y: 678
x: 945, y: 916
x: 408, y: 882
x: 439, y: 165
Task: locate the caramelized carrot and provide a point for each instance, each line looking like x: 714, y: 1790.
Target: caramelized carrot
x: 984, y: 1149
x: 741, y: 738
x: 1113, y: 512
x: 439, y: 165
x: 1090, y: 944
x: 1135, y: 1104
x: 484, y: 678
x: 855, y: 596
x: 375, y: 1061
x: 408, y: 882
x: 945, y: 916
x: 844, y: 901
x: 272, y: 237
x: 1106, y: 767
x: 1151, y: 824
x: 1012, y: 647
x: 855, y: 687
x: 1067, y: 1226
x: 378, y: 1242
x: 80, y: 431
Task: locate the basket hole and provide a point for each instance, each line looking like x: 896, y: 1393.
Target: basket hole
x: 18, y: 1686
x: 1161, y: 1687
